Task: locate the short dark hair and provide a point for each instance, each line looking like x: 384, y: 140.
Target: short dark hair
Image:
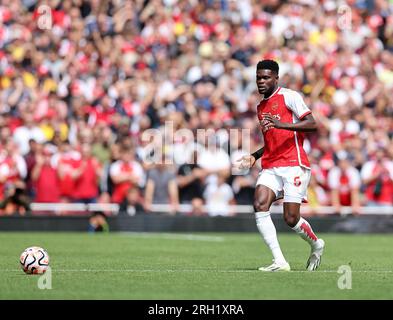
x: 268, y: 64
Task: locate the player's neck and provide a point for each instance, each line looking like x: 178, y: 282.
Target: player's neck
x: 269, y: 95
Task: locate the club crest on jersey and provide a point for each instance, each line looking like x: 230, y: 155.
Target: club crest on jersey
x: 275, y: 106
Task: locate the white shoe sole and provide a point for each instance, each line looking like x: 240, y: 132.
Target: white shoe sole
x: 284, y: 268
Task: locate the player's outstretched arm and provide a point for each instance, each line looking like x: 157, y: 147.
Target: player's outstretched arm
x: 246, y: 162
x: 306, y: 124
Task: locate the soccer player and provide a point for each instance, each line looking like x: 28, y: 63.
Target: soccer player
x: 283, y: 117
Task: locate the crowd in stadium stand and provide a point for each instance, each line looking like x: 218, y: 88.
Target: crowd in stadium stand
x: 76, y: 98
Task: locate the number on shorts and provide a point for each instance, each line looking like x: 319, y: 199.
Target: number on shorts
x: 296, y: 181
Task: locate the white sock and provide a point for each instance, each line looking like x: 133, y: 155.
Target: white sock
x: 304, y: 230
x: 268, y: 231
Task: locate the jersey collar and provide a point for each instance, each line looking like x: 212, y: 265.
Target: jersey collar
x: 278, y: 89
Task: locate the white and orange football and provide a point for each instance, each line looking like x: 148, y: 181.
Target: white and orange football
x: 34, y: 260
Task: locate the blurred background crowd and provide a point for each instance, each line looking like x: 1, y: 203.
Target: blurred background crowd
x: 76, y: 98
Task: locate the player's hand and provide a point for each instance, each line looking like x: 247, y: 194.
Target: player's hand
x: 245, y: 162
x: 270, y: 121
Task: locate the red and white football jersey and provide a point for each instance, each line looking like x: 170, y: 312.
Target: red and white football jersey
x: 283, y: 148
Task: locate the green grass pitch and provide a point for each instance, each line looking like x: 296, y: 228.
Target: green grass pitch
x: 194, y: 266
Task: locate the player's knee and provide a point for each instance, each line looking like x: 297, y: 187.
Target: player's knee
x: 261, y: 206
x: 291, y: 219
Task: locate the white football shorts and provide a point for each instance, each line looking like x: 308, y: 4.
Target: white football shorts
x: 293, y: 181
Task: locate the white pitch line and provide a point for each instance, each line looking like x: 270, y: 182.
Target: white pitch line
x: 174, y: 236
x: 202, y: 270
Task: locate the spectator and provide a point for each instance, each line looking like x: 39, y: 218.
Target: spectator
x: 30, y: 159
x: 102, y: 139
x: 132, y: 204
x: 66, y: 160
x: 14, y: 162
x: 344, y: 183
x: 316, y: 196
x: 243, y: 187
x: 98, y: 222
x: 125, y: 173
x: 218, y: 196
x: 87, y: 176
x: 15, y: 199
x: 190, y: 178
x: 162, y: 188
x: 243, y: 183
x: 377, y: 176
x: 4, y: 173
x: 28, y: 131
x: 44, y: 176
x: 214, y: 160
